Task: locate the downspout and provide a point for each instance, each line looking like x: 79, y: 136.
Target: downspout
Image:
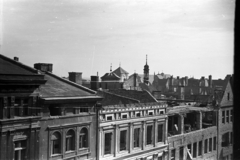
x: 98, y: 107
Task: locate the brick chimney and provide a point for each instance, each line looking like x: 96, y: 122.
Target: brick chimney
x: 210, y: 81
x: 75, y: 77
x: 94, y: 82
x: 45, y: 67
x: 186, y: 80
x: 16, y: 59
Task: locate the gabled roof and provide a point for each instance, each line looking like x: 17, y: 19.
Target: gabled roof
x: 15, y: 73
x: 119, y: 71
x: 151, y: 77
x: 60, y: 87
x: 110, y: 76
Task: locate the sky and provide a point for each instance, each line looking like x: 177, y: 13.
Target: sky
x: 181, y: 37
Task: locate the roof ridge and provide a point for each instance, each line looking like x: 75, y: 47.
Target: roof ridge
x: 121, y: 96
x: 20, y: 64
x: 71, y: 83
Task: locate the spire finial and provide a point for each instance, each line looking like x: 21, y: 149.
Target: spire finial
x: 146, y: 58
x: 111, y: 68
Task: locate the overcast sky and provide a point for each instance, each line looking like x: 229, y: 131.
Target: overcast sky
x: 180, y: 37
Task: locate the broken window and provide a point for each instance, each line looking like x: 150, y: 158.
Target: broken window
x: 190, y: 122
x: 83, y: 138
x: 123, y: 140
x: 136, y: 137
x: 149, y: 134
x: 108, y: 143
x: 195, y: 150
x: 173, y: 154
x: 56, y: 143
x: 199, y: 148
x: 20, y: 150
x: 70, y: 140
x: 225, y: 139
x: 160, y: 133
x: 206, y: 146
x: 181, y: 149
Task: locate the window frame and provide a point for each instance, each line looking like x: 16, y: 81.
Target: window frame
x: 139, y: 138
x: 71, y: 139
x: 52, y: 143
x: 162, y: 134
x: 152, y: 134
x: 81, y: 138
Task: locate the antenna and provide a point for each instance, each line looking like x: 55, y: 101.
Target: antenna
x: 146, y: 58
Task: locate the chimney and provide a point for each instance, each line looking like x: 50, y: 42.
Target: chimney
x: 135, y: 80
x: 45, y: 67
x: 16, y: 59
x: 75, y: 77
x: 177, y: 77
x: 94, y: 82
x: 202, y: 78
x: 186, y: 80
x: 210, y: 81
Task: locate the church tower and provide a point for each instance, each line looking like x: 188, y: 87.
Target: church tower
x: 146, y: 73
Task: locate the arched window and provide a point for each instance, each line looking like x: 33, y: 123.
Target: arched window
x: 83, y: 138
x: 70, y: 140
x: 56, y: 143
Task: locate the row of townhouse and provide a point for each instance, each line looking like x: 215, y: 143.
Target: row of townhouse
x: 43, y: 116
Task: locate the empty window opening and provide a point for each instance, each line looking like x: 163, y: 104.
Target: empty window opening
x: 214, y: 143
x: 55, y: 111
x: 56, y: 143
x: 83, y: 138
x: 173, y: 128
x: 206, y: 146
x: 149, y: 134
x: 228, y: 96
x: 109, y: 118
x: 150, y: 113
x: 83, y: 109
x: 189, y: 147
x: 136, y: 137
x: 195, y: 150
x: 173, y: 154
x: 70, y: 140
x: 138, y: 115
x: 190, y: 122
x: 108, y: 143
x: 225, y: 139
x: 20, y: 150
x: 208, y: 119
x: 160, y: 133
x: 210, y: 144
x: 199, y: 148
x: 123, y: 140
x: 181, y: 150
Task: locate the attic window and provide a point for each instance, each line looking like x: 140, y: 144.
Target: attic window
x: 138, y: 114
x: 124, y: 115
x: 228, y: 97
x: 150, y: 113
x: 109, y: 117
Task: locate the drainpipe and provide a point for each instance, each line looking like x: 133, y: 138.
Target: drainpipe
x: 98, y: 108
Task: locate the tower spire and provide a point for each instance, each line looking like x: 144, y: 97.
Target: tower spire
x: 146, y: 58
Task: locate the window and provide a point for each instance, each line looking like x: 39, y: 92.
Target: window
x: 109, y: 117
x: 227, y: 116
x: 83, y: 138
x: 20, y: 150
x: 108, y: 143
x: 189, y: 147
x: 124, y: 115
x: 210, y: 144
x: 56, y: 143
x: 195, y: 150
x: 173, y: 154
x: 136, y: 137
x: 181, y: 149
x: 149, y: 134
x: 83, y: 109
x: 231, y: 115
x: 206, y: 146
x: 225, y: 139
x: 150, y: 113
x: 70, y: 140
x: 223, y: 116
x: 160, y: 132
x: 123, y: 140
x: 214, y: 143
x: 199, y: 148
x: 228, y: 96
x: 138, y: 115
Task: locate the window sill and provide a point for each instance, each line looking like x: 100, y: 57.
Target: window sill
x: 81, y: 149
x: 71, y: 151
x: 55, y: 155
